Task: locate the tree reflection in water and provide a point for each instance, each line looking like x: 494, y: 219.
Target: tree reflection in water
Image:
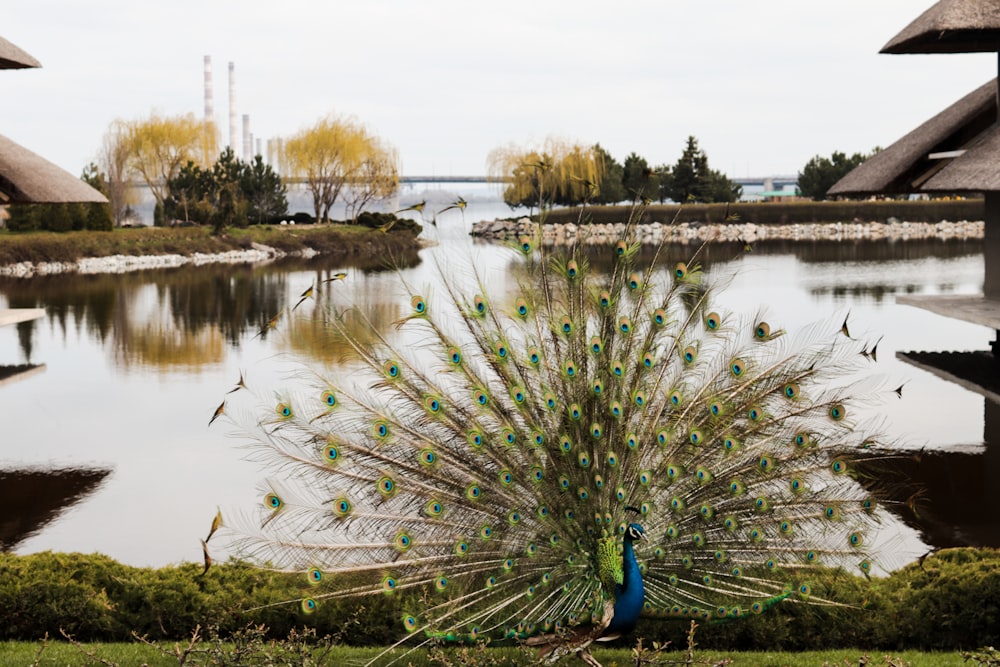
x: 136, y: 363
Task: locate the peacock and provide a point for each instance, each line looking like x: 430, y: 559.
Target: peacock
x: 551, y: 465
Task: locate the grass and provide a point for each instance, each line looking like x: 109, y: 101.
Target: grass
x: 36, y: 247
x: 63, y: 653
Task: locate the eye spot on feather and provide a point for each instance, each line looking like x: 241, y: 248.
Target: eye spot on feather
x: 419, y: 305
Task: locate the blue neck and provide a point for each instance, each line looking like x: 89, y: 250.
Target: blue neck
x: 629, y: 597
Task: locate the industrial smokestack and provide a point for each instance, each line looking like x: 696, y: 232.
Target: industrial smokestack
x: 233, y: 131
x: 247, y: 144
x: 209, y: 109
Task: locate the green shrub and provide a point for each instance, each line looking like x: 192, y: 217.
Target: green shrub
x: 22, y: 218
x: 373, y: 220
x: 99, y: 218
x: 950, y: 601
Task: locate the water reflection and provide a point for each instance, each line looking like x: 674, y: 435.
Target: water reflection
x: 946, y: 495
x: 170, y: 317
x: 40, y: 496
x: 136, y: 363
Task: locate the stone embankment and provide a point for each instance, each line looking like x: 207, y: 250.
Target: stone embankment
x: 126, y: 263
x: 687, y: 232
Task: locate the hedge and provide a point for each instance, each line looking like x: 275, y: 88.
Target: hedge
x: 949, y: 601
x: 764, y: 213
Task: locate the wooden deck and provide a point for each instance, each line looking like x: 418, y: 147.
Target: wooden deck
x: 15, y: 315
x: 976, y: 309
x: 975, y: 371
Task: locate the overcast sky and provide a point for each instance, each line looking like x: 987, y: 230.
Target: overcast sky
x: 764, y: 86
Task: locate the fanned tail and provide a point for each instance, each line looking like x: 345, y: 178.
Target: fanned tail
x: 485, y: 450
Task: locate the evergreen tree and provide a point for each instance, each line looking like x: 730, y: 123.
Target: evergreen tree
x: 231, y: 207
x: 265, y: 193
x: 231, y: 193
x: 821, y: 173
x: 693, y: 181
x: 665, y: 178
x: 56, y: 217
x: 23, y: 218
x: 611, y: 189
x: 190, y: 192
x: 99, y: 218
x: 639, y: 180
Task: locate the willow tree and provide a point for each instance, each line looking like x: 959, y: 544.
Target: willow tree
x: 113, y: 163
x: 374, y: 175
x: 158, y: 146
x: 336, y: 155
x: 559, y: 172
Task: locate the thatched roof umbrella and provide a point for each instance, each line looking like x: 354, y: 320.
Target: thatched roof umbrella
x: 951, y: 26
x: 26, y: 178
x: 12, y: 57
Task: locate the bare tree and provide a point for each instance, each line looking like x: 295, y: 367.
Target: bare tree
x: 112, y: 160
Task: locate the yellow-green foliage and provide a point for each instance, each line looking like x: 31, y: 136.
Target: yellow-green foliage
x: 556, y: 173
x: 158, y: 146
x: 340, y: 157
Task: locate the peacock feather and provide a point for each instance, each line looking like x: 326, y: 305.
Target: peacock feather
x: 553, y: 464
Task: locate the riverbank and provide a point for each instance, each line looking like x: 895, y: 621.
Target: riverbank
x: 697, y: 233
x: 123, y: 250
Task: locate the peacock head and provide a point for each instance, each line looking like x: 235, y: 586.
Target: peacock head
x: 634, y: 532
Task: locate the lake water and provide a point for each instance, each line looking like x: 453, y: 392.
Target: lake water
x: 135, y: 364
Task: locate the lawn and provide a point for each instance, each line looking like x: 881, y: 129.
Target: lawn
x: 63, y: 653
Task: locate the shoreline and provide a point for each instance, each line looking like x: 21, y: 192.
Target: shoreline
x: 126, y: 263
x: 684, y: 233
x: 697, y: 232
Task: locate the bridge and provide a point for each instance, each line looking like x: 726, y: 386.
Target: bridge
x: 778, y: 181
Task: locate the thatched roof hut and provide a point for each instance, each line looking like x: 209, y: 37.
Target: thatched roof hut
x: 26, y: 177
x: 957, y: 150
x: 951, y: 26
x: 13, y: 57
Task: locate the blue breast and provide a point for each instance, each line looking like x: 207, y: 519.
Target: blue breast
x: 629, y: 596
